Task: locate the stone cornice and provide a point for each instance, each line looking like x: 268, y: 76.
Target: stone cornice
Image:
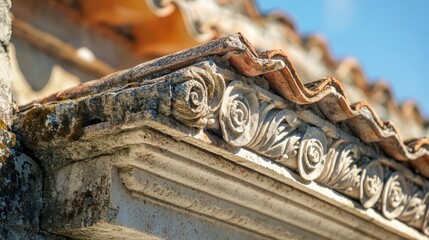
x: 208, y: 19
x: 219, y: 97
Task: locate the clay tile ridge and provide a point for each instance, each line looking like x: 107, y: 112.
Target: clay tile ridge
x: 274, y: 66
x: 409, y: 109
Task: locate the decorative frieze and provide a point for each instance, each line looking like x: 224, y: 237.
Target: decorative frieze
x: 209, y: 97
x: 196, y: 95
x: 252, y: 117
x: 371, y: 187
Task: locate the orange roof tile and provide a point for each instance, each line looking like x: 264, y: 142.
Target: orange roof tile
x: 188, y: 34
x: 275, y: 66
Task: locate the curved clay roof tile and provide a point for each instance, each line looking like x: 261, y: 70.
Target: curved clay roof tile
x: 278, y: 70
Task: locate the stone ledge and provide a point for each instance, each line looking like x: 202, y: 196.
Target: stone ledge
x: 214, y: 109
x: 158, y: 179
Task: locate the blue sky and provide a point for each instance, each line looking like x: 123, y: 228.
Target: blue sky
x: 390, y: 38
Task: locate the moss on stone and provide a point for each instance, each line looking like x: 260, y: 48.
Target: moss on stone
x: 33, y: 123
x: 3, y: 125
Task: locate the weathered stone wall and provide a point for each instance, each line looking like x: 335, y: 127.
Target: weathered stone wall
x: 159, y: 149
x: 21, y: 179
x: 5, y: 80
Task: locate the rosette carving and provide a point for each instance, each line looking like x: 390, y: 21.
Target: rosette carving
x: 239, y: 114
x: 311, y: 153
x: 341, y: 171
x: 394, y: 196
x: 372, y: 183
x: 196, y: 95
x: 252, y: 117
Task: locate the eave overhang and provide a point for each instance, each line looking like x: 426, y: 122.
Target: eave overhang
x: 224, y: 101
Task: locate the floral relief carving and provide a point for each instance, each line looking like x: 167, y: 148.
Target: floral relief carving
x: 415, y: 207
x: 341, y: 171
x: 371, y: 185
x: 248, y: 116
x: 395, y: 194
x: 239, y: 114
x: 274, y: 133
x: 196, y: 95
x: 311, y: 153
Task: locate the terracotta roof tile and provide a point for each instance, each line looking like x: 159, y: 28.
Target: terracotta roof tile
x: 192, y: 34
x: 275, y: 66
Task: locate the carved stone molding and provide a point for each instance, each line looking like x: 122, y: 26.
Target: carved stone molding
x: 209, y: 103
x: 239, y: 115
x: 196, y: 95
x: 249, y: 116
x: 372, y: 183
x: 146, y: 186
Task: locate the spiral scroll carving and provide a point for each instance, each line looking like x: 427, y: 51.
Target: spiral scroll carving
x: 196, y: 95
x: 372, y: 183
x: 239, y: 114
x: 250, y: 116
x: 395, y: 194
x: 311, y: 154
